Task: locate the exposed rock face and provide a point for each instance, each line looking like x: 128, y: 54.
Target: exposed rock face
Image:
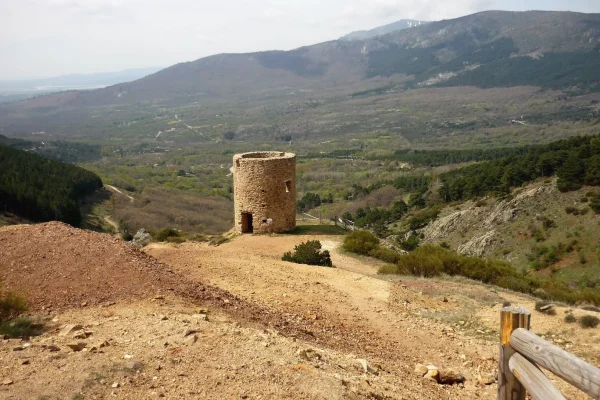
x: 141, y: 238
x: 477, y: 245
x: 507, y: 211
x: 443, y: 226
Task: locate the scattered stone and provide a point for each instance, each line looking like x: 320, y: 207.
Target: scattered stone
x: 128, y: 356
x: 309, y: 354
x: 107, y: 314
x: 200, y: 317
x: 163, y: 317
x: 68, y: 329
x: 133, y: 365
x: 190, y: 340
x: 18, y: 348
x: 25, y: 362
x: 51, y: 347
x: 432, y: 373
x: 189, y: 332
x: 449, y: 377
x: 77, y: 346
x: 7, y: 382
x: 421, y: 370
x: 546, y: 307
x: 115, y: 385
x: 366, y: 367
x: 486, y: 379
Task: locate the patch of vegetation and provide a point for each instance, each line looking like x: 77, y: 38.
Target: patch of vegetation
x: 22, y: 327
x: 570, y: 318
x: 166, y: 233
x: 11, y: 304
x: 361, y: 242
x: 309, y: 253
x: 589, y: 321
x: 41, y: 189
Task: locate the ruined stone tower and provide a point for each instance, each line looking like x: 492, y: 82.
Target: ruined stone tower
x: 264, y: 190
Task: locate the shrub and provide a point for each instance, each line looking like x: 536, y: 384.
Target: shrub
x: 126, y: 236
x: 11, y: 305
x: 570, y: 318
x: 166, y: 233
x: 591, y: 308
x: 21, y: 327
x: 175, y: 239
x: 572, y: 210
x: 309, y: 253
x: 589, y: 321
x: 506, y: 303
x: 409, y: 244
x: 361, y: 242
x: 387, y: 255
x: 481, y: 203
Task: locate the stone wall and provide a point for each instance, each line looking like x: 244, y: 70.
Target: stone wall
x: 264, y: 186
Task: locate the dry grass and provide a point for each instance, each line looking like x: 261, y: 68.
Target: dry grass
x: 158, y: 209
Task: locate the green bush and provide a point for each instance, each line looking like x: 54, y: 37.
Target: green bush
x: 589, y: 321
x: 11, y: 305
x: 21, y: 327
x: 387, y: 255
x: 570, y: 318
x: 409, y: 244
x: 361, y: 242
x: 309, y: 253
x: 166, y: 233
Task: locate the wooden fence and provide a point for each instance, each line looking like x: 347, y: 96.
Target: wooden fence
x: 521, y: 354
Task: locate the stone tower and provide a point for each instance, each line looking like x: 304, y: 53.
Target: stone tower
x: 264, y: 190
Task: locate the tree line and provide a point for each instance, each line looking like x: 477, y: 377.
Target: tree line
x: 42, y: 189
x: 576, y: 161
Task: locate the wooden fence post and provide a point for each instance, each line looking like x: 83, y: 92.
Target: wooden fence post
x: 511, y: 318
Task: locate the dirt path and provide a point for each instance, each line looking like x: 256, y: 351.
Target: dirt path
x: 112, y: 223
x: 117, y: 190
x: 346, y: 296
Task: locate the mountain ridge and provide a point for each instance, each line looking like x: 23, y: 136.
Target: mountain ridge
x: 558, y: 50
x: 384, y: 29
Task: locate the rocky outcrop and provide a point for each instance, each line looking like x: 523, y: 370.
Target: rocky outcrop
x: 141, y: 238
x: 442, y: 227
x: 507, y: 210
x: 477, y: 246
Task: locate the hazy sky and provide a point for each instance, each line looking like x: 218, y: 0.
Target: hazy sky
x: 40, y: 38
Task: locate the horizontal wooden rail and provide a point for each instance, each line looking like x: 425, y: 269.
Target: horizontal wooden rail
x: 536, y: 383
x: 570, y: 368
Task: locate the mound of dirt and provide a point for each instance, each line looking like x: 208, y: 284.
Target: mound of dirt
x: 57, y: 266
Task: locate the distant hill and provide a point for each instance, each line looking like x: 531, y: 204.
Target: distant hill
x: 557, y: 50
x: 74, y: 81
x: 382, y: 30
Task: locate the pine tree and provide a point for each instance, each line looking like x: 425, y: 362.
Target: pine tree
x: 571, y: 174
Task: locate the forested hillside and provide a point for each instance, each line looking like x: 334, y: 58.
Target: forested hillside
x: 42, y: 189
x: 576, y: 161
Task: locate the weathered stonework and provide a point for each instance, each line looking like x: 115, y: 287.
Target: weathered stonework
x: 264, y: 191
